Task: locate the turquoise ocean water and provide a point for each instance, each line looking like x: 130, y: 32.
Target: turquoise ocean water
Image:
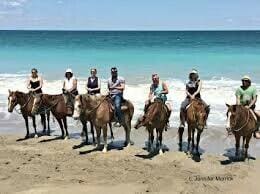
x: 228, y: 54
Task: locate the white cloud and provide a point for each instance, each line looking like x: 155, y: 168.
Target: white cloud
x: 12, y: 3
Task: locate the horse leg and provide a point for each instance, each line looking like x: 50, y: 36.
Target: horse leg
x: 66, y: 127
x: 198, y: 142
x: 34, y: 126
x: 189, y: 137
x: 247, y: 145
x: 160, y: 141
x: 152, y: 139
x: 127, y: 127
x: 43, y: 122
x: 105, y: 137
x: 48, y: 121
x: 149, y: 140
x: 61, y: 127
x: 92, y: 132
x: 157, y: 138
x: 85, y: 130
x: 111, y: 131
x: 192, y: 139
x: 27, y: 126
x: 243, y: 144
x: 237, y: 144
x: 98, y: 131
x: 180, y: 132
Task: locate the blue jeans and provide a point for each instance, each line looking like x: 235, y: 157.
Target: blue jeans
x: 117, y: 103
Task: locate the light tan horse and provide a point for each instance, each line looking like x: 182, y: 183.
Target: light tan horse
x: 196, y: 118
x: 241, y: 122
x: 100, y: 111
x: 156, y: 117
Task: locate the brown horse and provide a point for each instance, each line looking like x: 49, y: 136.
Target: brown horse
x: 26, y: 103
x: 196, y: 118
x: 100, y: 112
x: 156, y: 117
x: 241, y: 122
x: 56, y: 104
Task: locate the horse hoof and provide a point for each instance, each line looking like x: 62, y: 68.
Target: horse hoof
x: 66, y: 138
x: 161, y: 152
x: 104, y: 150
x: 35, y: 136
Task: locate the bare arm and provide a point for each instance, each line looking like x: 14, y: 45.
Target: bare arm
x: 198, y: 90
x: 165, y: 88
x: 29, y: 84
x: 121, y: 87
x: 253, y: 102
x: 238, y: 100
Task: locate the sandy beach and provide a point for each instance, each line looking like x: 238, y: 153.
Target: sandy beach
x: 50, y: 165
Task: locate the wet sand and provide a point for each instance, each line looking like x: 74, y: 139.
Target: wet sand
x: 51, y: 165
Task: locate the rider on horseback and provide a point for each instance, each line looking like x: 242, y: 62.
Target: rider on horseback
x: 193, y: 88
x: 116, y: 87
x: 35, y: 82
x: 246, y: 95
x: 158, y: 91
x: 69, y: 90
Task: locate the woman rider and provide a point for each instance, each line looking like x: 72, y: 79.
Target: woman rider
x: 69, y: 87
x: 158, y: 91
x: 93, y: 85
x: 193, y: 88
x: 35, y: 82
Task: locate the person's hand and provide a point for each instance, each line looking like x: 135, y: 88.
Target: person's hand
x: 192, y: 97
x: 247, y: 107
x: 31, y: 90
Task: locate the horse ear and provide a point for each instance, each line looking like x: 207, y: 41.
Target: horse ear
x: 227, y: 105
x: 9, y: 91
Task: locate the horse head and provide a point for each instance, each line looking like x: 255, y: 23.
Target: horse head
x: 233, y: 116
x: 200, y: 113
x: 78, y: 107
x: 12, y: 100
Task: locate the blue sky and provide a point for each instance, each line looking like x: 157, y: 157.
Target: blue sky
x: 130, y: 14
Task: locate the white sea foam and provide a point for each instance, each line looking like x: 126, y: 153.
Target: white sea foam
x: 215, y: 92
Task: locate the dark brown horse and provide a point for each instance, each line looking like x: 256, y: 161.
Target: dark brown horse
x: 56, y: 104
x: 100, y: 112
x: 156, y: 117
x: 241, y: 122
x: 26, y: 103
x: 196, y: 118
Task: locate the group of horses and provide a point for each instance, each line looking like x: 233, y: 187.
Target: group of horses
x: 99, y: 111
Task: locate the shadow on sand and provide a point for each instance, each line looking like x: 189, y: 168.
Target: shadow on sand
x: 232, y: 158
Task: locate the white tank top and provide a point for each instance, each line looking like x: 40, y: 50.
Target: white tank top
x: 69, y: 83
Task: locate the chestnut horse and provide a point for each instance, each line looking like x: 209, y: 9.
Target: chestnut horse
x: 25, y: 100
x: 56, y: 104
x: 241, y: 122
x: 196, y: 119
x: 155, y: 117
x: 99, y: 111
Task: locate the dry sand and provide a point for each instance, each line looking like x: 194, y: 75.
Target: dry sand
x: 44, y: 165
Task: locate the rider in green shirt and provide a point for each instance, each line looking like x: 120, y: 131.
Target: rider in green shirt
x: 246, y: 95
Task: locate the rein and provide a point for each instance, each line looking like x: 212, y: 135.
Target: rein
x: 45, y: 110
x: 96, y: 107
x: 236, y: 130
x: 19, y: 111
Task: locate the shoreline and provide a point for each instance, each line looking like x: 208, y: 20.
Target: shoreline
x: 45, y: 165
